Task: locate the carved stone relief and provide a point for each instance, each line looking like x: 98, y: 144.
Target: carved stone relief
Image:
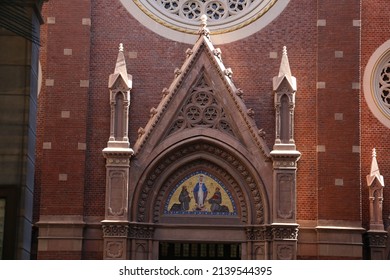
x: 259, y: 234
x: 284, y: 252
x: 114, y: 249
x: 115, y: 230
x: 117, y: 192
x: 283, y: 233
x: 140, y: 251
x: 141, y: 232
x: 259, y: 252
x: 202, y: 109
x: 377, y: 239
x: 285, y: 196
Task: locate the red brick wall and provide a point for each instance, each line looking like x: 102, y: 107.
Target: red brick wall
x: 375, y: 31
x: 64, y: 134
x: 311, y: 52
x: 339, y: 136
x: 61, y: 136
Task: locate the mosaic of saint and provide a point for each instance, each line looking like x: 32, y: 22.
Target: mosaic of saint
x: 200, y: 193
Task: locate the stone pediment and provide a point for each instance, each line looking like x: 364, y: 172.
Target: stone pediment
x: 201, y: 100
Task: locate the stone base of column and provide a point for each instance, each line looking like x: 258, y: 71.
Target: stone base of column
x: 375, y: 245
x: 115, y: 240
x: 284, y: 245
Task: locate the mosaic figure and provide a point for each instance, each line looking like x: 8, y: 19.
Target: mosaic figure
x: 200, y: 193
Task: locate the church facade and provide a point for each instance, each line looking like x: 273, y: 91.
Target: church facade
x: 213, y: 130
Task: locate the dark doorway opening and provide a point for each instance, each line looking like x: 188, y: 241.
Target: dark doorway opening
x: 199, y: 251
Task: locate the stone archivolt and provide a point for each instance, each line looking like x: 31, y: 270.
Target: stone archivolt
x: 247, y: 180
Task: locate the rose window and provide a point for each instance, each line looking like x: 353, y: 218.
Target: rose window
x: 223, y: 15
x: 384, y: 86
x: 376, y: 83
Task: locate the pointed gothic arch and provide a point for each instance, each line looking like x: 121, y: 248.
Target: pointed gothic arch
x: 184, y: 154
x: 231, y: 165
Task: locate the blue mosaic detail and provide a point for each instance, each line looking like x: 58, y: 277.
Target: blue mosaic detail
x: 231, y: 212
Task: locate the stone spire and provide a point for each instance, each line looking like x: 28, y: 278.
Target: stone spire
x: 284, y: 87
x: 285, y: 73
x: 119, y: 84
x: 374, y: 173
x: 120, y: 70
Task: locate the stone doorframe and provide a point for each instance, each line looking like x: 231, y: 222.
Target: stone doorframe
x: 253, y: 227
x: 257, y: 242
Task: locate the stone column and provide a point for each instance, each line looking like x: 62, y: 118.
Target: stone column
x: 376, y: 236
x: 285, y: 158
x: 117, y: 154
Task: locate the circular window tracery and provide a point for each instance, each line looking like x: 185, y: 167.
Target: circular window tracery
x: 186, y: 13
x: 376, y: 83
x: 384, y: 86
x: 224, y: 16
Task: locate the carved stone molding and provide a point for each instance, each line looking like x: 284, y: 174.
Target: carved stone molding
x: 259, y: 234
x: 120, y: 160
x: 285, y: 252
x: 115, y: 230
x: 285, y: 232
x: 377, y: 239
x: 287, y: 163
x: 141, y: 232
x: 174, y: 156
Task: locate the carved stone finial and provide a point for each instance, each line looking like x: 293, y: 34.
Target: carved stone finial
x: 203, y: 28
x: 153, y: 112
x: 141, y: 131
x: 121, y: 47
x: 250, y: 112
x: 189, y: 52
x: 165, y: 92
x: 240, y: 92
x: 217, y: 52
x: 374, y: 172
x: 284, y: 50
x: 262, y: 133
x: 203, y: 19
x: 177, y: 72
x: 229, y: 72
x: 284, y: 73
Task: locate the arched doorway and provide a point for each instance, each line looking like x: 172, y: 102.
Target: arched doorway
x: 235, y: 201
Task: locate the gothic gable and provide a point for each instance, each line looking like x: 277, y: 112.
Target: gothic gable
x: 201, y: 100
